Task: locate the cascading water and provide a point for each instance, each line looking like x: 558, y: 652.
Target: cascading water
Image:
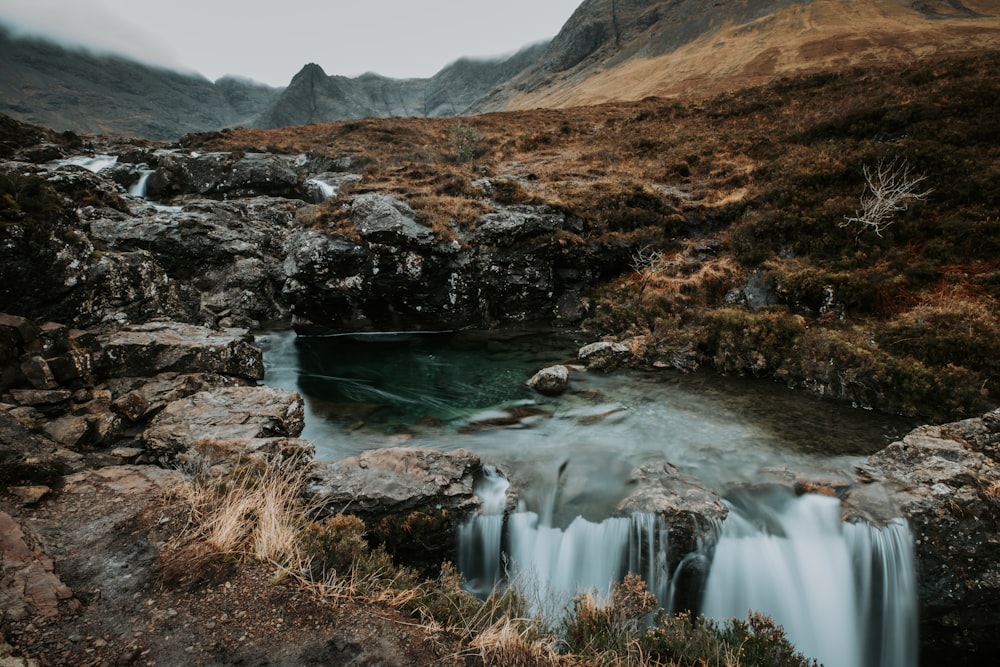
x: 138, y: 189
x: 845, y: 593
x: 794, y: 560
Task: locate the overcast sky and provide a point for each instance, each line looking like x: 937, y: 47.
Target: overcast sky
x: 270, y: 40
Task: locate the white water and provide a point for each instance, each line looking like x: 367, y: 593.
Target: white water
x: 138, y: 189
x: 798, y: 563
x: 94, y: 163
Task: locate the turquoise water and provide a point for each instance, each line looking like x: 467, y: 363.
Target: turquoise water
x: 466, y: 390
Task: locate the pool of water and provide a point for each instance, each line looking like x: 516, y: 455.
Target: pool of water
x: 466, y: 390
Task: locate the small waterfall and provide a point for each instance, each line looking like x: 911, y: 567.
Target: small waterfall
x: 138, y: 189
x: 887, y: 592
x: 845, y: 594
x: 326, y: 190
x: 551, y: 565
x: 479, y: 556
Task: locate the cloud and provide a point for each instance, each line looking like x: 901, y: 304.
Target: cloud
x: 88, y: 25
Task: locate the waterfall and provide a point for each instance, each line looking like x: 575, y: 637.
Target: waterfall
x: 138, y: 189
x: 551, y: 565
x: 844, y: 594
x: 94, y: 163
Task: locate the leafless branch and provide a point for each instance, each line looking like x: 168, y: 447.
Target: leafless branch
x: 890, y: 188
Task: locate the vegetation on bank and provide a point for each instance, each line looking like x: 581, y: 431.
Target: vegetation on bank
x: 256, y: 514
x: 746, y: 200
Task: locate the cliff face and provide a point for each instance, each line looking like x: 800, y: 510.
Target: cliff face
x: 315, y: 97
x: 620, y: 50
x: 48, y: 85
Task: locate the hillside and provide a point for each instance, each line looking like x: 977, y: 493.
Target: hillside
x: 45, y: 84
x: 629, y: 49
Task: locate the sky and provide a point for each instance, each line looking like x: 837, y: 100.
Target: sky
x: 270, y: 40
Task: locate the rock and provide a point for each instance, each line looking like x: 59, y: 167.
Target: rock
x: 72, y: 366
x: 944, y: 481
x: 69, y: 430
x: 159, y: 347
x: 550, y: 381
x: 29, y: 495
x: 139, y: 398
x: 221, y: 417
x: 125, y: 479
x: 27, y: 459
x: 28, y: 585
x: 412, y: 500
x: 42, y: 399
x: 224, y: 175
x: 223, y: 453
x: 37, y: 372
x: 20, y: 331
x: 604, y: 356
x: 690, y: 510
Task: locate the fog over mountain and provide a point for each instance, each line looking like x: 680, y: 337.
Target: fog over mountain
x: 609, y: 50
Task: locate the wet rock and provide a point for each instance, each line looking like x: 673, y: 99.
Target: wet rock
x: 944, y: 481
x: 224, y: 175
x: 550, y: 381
x: 218, y: 417
x: 691, y: 511
x: 604, y: 356
x: 159, y: 347
x: 412, y: 500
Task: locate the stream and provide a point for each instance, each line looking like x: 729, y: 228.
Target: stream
x: 844, y: 593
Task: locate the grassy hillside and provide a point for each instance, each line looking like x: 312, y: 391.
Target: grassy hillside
x: 748, y: 189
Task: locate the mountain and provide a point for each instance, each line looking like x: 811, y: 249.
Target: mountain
x: 73, y: 89
x: 315, y: 97
x: 621, y: 50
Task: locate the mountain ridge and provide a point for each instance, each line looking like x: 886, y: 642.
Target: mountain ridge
x: 625, y: 50
x: 608, y: 51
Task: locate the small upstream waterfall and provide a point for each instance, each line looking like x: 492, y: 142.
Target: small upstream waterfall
x: 138, y: 189
x: 844, y: 593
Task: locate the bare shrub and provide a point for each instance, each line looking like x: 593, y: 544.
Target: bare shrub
x: 890, y: 187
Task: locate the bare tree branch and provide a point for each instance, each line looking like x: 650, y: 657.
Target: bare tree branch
x: 890, y: 188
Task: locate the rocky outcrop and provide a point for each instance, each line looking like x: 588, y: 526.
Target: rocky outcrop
x: 29, y: 587
x: 226, y: 424
x: 398, y: 274
x: 604, y: 356
x: 412, y: 500
x: 154, y: 392
x: 945, y: 481
x: 145, y: 350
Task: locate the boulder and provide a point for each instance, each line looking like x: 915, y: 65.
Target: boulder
x: 219, y: 418
x: 945, y: 481
x: 604, y: 356
x: 412, y: 500
x: 691, y: 510
x: 224, y: 175
x: 160, y: 347
x: 138, y: 398
x: 550, y: 381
